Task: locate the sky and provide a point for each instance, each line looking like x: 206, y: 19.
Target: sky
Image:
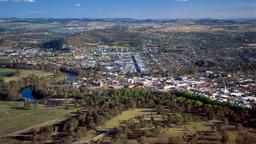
x: 138, y: 9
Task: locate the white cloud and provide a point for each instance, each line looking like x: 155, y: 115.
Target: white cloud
x: 182, y: 0
x: 30, y: 1
x: 78, y: 4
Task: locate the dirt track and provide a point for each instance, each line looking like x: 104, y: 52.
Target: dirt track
x: 51, y: 122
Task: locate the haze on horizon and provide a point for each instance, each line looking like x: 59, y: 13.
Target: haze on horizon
x: 138, y: 9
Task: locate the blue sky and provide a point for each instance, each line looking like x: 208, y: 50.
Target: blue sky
x: 139, y: 9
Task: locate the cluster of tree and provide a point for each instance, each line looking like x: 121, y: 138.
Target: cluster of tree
x: 55, y: 44
x: 24, y: 66
x: 99, y: 106
x: 69, y: 70
x: 11, y: 90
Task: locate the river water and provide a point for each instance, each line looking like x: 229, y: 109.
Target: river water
x: 27, y: 95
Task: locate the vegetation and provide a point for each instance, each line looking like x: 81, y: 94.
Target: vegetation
x: 123, y: 116
x: 16, y: 116
x: 7, y: 72
x: 168, y: 48
x: 100, y: 106
x: 26, y: 73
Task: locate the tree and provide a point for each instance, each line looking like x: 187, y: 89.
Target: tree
x: 245, y: 138
x: 71, y: 126
x: 174, y: 140
x: 225, y: 137
x: 81, y: 131
x: 68, y: 140
x: 194, y: 139
x: 156, y: 131
x: 141, y: 140
x: 122, y: 139
x: 175, y: 118
x: 239, y: 127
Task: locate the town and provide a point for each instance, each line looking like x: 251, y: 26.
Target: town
x: 127, y: 81
x: 125, y: 67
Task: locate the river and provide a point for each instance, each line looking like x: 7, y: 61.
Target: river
x: 27, y: 95
x: 69, y: 77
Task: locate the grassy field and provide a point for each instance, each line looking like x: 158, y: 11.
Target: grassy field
x: 183, y: 131
x: 7, y: 72
x: 14, y: 117
x: 125, y: 115
x: 20, y: 74
x: 190, y: 128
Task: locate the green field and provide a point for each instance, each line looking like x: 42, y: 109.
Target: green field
x: 125, y: 115
x: 190, y: 128
x: 13, y: 74
x: 182, y: 131
x: 14, y: 117
x: 7, y: 72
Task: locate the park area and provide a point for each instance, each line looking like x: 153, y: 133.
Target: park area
x: 14, y: 75
x: 124, y: 116
x: 18, y: 116
x: 146, y: 126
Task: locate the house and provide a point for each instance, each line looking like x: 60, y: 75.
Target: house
x: 166, y: 87
x: 182, y: 85
x: 89, y: 64
x: 146, y: 82
x: 98, y: 83
x: 249, y: 98
x: 237, y: 94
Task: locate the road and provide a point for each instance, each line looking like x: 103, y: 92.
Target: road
x: 19, y: 132
x: 96, y: 138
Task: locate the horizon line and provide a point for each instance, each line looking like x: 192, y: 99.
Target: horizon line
x: 127, y: 18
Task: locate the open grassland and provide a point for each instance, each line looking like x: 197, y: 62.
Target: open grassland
x: 190, y: 128
x: 206, y: 130
x: 14, y: 117
x: 19, y: 74
x: 7, y: 72
x: 125, y: 115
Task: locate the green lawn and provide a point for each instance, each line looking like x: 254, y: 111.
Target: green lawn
x: 193, y: 127
x: 7, y: 72
x: 125, y: 115
x: 190, y: 128
x: 13, y: 74
x: 14, y: 117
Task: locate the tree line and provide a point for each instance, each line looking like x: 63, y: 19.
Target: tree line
x: 101, y: 105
